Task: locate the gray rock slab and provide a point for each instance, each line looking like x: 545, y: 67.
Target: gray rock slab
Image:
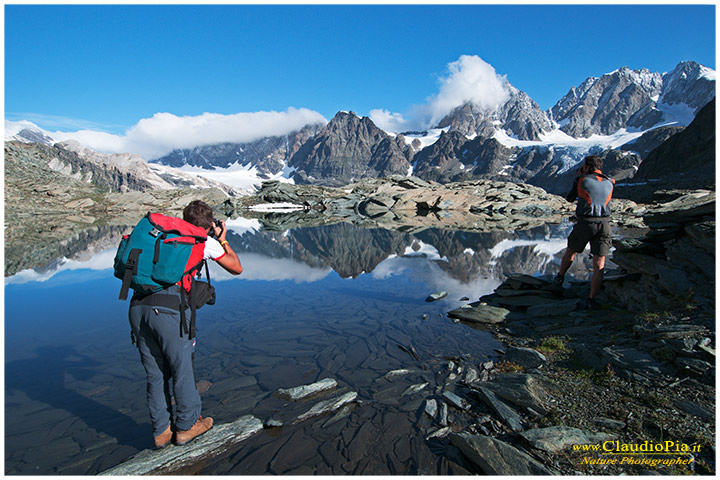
x: 519, y: 389
x: 173, y: 458
x: 456, y: 401
x: 525, y: 281
x: 558, y: 438
x: 439, y: 433
x: 525, y: 300
x: 495, y: 457
x: 525, y: 357
x: 479, y: 312
x: 436, y: 296
x: 431, y: 407
x: 609, y: 423
x: 694, y: 409
x: 303, y: 391
x: 674, y: 279
x: 506, y: 413
x: 327, y: 406
x: 632, y: 363
x: 413, y: 389
x: 554, y: 309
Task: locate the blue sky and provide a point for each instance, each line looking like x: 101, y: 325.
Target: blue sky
x: 107, y: 67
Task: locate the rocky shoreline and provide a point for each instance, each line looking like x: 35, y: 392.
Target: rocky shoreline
x: 640, y: 370
x: 411, y: 204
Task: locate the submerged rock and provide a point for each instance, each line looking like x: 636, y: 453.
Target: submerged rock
x: 303, y: 391
x: 327, y: 406
x: 172, y: 458
x: 412, y: 389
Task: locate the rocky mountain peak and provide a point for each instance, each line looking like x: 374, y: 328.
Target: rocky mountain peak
x: 629, y: 98
x: 520, y: 116
x: 346, y: 149
x: 620, y: 99
x: 689, y: 83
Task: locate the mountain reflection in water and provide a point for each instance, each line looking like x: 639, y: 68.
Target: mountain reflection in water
x: 333, y: 301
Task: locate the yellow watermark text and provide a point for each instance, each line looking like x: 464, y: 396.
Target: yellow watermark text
x: 647, y: 453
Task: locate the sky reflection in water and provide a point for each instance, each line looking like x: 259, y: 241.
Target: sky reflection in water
x: 290, y: 318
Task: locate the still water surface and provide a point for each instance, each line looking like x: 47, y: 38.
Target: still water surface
x: 334, y: 301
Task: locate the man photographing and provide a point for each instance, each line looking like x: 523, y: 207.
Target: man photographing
x: 593, y: 192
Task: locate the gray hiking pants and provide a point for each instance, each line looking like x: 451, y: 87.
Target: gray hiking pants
x: 168, y: 360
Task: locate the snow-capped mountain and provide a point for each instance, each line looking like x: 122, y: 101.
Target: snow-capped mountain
x: 269, y: 155
x: 635, y: 99
x: 622, y: 115
x: 519, y: 116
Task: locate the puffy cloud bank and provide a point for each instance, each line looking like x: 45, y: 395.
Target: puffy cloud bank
x: 164, y: 132
x: 469, y: 79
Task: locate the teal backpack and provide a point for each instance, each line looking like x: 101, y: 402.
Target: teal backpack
x: 162, y: 251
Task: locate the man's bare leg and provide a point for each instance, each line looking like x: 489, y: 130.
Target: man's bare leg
x: 598, y: 273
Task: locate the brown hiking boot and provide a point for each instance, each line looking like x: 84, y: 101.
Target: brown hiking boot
x: 201, y: 426
x: 164, y: 439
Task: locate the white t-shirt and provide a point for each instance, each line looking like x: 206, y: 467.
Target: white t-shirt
x: 213, y: 249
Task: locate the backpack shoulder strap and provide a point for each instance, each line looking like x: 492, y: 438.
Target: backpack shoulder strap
x: 131, y: 268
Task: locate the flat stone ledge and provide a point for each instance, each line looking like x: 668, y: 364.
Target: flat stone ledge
x: 172, y: 458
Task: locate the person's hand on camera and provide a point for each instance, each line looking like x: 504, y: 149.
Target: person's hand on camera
x: 220, y: 230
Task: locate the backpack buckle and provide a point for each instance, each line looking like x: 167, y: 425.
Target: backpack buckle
x: 155, y: 232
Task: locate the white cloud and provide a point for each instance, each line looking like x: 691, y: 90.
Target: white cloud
x: 468, y: 79
x: 164, y: 132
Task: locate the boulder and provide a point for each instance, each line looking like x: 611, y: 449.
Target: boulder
x: 687, y: 208
x: 525, y: 357
x: 525, y: 300
x: 557, y: 438
x: 554, y: 309
x: 436, y: 296
x: 609, y: 423
x: 506, y: 413
x: 631, y: 363
x: 495, y: 457
x: 456, y: 401
x: 520, y: 389
x: 479, y: 312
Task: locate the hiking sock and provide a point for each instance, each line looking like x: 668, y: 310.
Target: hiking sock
x: 559, y: 279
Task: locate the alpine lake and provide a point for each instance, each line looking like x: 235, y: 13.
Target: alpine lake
x: 336, y: 301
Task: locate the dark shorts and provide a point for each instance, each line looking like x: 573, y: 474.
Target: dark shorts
x: 599, y: 234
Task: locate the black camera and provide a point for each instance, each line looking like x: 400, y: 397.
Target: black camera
x: 217, y: 224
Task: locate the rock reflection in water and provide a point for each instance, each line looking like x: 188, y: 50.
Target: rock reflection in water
x: 334, y: 301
